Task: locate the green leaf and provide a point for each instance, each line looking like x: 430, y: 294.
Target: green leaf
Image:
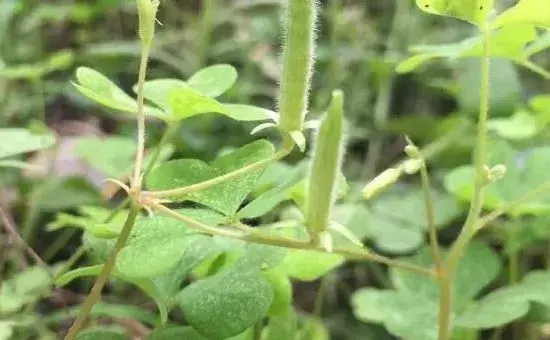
x: 24, y: 288
x: 158, y: 243
x: 403, y: 230
x: 498, y: 308
x: 507, y: 43
x: 524, y: 171
x: 284, y: 326
x: 270, y: 199
x: 226, y: 304
x: 535, y: 12
x: 64, y: 193
x: 95, y: 226
x: 225, y: 197
x: 113, y: 156
x: 410, y: 311
x: 520, y: 126
x: 308, y: 265
x: 157, y: 91
x: 473, y: 11
x: 102, y: 333
x: 282, y: 291
x: 100, y: 89
x: 248, y: 113
x: 176, y: 333
x: 187, y: 102
x: 104, y: 309
x: 505, y: 92
x: 19, y: 141
x: 145, y: 285
x: 214, y: 80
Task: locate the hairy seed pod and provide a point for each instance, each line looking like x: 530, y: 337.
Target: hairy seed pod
x: 325, y: 166
x: 298, y: 58
x: 147, y: 11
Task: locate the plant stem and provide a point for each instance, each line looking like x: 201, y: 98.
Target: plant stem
x: 445, y: 305
x: 206, y: 26
x: 169, y: 132
x: 220, y: 179
x: 536, y: 68
x: 298, y: 60
x: 136, y: 181
x: 95, y: 293
x: 430, y: 215
x: 257, y: 237
x: 506, y: 208
x: 72, y: 260
x: 469, y: 229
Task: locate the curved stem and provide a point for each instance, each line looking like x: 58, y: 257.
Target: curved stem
x: 220, y: 179
x: 95, y: 293
x: 469, y: 228
x: 535, y: 68
x: 254, y: 236
x: 430, y: 215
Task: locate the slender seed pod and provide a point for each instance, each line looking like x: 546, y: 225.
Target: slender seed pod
x: 298, y: 59
x: 147, y: 11
x: 325, y: 166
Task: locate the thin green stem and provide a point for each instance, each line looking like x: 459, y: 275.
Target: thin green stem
x: 445, y: 305
x: 220, y: 179
x: 535, y: 68
x: 167, y: 136
x: 430, y: 215
x: 469, y: 229
x: 506, y: 208
x: 58, y: 244
x: 136, y: 181
x: 95, y: 293
x: 206, y: 26
x: 72, y: 260
x: 255, y: 236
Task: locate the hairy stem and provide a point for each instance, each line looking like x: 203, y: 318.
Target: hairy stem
x: 298, y: 60
x: 536, y: 68
x: 220, y: 179
x: 136, y: 181
x: 430, y: 215
x: 469, y: 228
x: 95, y: 293
x: 255, y: 236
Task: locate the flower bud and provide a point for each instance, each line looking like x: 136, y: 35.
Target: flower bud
x: 147, y: 11
x: 325, y: 167
x: 381, y: 182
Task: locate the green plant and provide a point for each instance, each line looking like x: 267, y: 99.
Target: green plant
x: 192, y: 218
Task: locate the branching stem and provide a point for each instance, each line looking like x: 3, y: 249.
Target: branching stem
x: 469, y: 228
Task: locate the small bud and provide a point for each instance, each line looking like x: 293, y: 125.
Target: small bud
x: 325, y: 166
x: 496, y: 172
x: 412, y: 150
x: 381, y: 182
x: 411, y: 166
x: 147, y: 11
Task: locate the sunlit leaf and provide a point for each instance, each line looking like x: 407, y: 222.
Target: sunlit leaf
x: 16, y: 141
x: 214, y: 80
x: 225, y: 197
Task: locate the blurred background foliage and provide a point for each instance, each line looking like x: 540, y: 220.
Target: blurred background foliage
x: 359, y: 45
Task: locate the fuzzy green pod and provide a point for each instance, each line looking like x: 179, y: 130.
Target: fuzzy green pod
x: 147, y: 11
x: 325, y: 166
x: 298, y: 59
